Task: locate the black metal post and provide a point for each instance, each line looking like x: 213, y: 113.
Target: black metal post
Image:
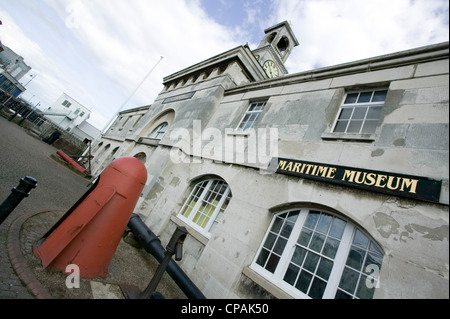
x: 18, y: 193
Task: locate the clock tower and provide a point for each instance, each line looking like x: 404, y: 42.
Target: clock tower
x: 275, y: 48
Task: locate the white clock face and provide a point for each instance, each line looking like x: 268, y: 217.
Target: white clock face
x: 271, y: 69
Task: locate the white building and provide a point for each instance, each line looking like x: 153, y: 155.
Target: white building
x: 354, y: 203
x: 71, y: 116
x: 13, y: 63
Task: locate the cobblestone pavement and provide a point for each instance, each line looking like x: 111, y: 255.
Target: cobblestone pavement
x: 22, y: 154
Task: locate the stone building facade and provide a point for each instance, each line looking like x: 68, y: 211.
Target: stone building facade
x: 330, y: 183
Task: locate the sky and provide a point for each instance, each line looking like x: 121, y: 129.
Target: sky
x: 106, y: 54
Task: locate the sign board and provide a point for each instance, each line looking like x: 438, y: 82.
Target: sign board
x: 179, y: 97
x: 416, y: 187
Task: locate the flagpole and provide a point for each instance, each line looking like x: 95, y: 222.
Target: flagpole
x: 129, y: 97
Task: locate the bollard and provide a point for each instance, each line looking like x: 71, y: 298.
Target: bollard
x: 18, y: 193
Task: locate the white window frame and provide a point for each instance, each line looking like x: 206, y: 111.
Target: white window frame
x: 159, y: 132
x: 215, y: 216
x: 358, y: 105
x: 256, y: 113
x: 339, y: 262
x: 66, y: 103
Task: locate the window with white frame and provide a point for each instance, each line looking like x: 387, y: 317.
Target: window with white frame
x: 311, y: 253
x: 360, y: 112
x: 66, y: 103
x: 206, y: 205
x: 251, y: 116
x: 159, y: 132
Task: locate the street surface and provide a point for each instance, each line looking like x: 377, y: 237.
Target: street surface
x: 58, y: 188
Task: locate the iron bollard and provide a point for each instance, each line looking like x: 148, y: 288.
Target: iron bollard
x: 18, y: 193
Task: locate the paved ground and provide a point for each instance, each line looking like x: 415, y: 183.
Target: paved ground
x: 21, y: 273
x: 58, y: 189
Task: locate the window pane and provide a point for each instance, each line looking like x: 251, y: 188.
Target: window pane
x: 341, y: 126
x: 317, y: 242
x: 299, y: 255
x: 349, y: 280
x: 253, y: 117
x: 279, y: 246
x: 244, y: 120
x: 331, y: 247
x: 374, y: 248
x: 354, y: 126
x: 346, y: 113
x: 324, y: 269
x: 291, y: 274
x: 337, y: 229
x: 324, y: 223
x: 374, y: 112
x: 356, y: 258
x: 363, y: 291
x: 252, y: 107
x: 256, y: 106
x: 351, y: 98
x: 342, y: 295
x: 304, y: 237
x: 287, y: 228
x: 364, y: 97
x: 272, y: 262
x: 262, y: 258
x: 317, y: 288
x: 303, y: 281
x: 379, y: 96
x: 359, y: 113
x: 158, y: 133
x: 187, y: 210
x: 312, y: 219
x: 311, y: 262
x: 373, y: 259
x: 360, y: 239
x: 293, y: 216
x: 369, y: 126
x: 277, y: 225
x: 251, y: 121
x: 270, y: 241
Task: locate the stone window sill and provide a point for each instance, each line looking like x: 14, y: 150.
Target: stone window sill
x: 349, y: 137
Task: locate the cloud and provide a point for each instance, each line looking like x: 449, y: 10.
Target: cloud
x: 338, y: 31
x: 98, y: 51
x: 127, y: 38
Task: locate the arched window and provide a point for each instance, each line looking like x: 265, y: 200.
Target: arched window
x: 283, y: 45
x: 270, y: 38
x: 311, y: 253
x: 159, y: 132
x: 206, y: 205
